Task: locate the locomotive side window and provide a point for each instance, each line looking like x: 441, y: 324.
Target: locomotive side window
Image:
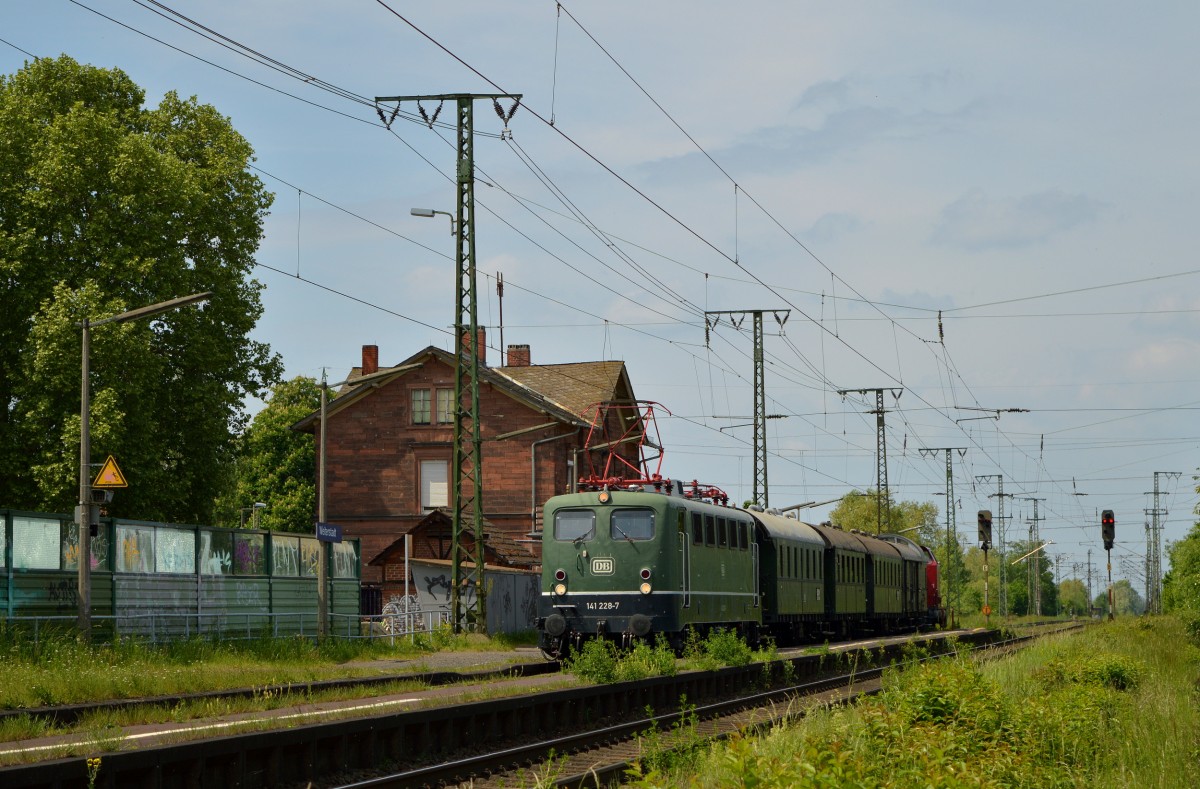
x: 570, y: 525
x: 710, y: 530
x: 743, y: 542
x: 697, y: 529
x: 632, y: 525
x: 722, y: 538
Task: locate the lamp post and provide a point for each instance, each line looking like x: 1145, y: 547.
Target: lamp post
x: 84, y: 512
x: 255, y: 507
x: 466, y: 468
x: 1038, y: 581
x: 323, y: 561
x: 430, y: 212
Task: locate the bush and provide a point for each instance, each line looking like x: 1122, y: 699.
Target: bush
x: 595, y: 662
x: 721, y: 648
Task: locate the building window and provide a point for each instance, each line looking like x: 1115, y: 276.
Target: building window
x: 435, y: 486
x: 420, y: 406
x: 445, y: 406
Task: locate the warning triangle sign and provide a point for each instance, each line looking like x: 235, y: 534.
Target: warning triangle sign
x: 110, y: 475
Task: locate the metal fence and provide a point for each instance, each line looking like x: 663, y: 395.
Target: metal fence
x: 164, y: 628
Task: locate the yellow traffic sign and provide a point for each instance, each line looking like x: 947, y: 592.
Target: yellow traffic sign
x: 110, y: 475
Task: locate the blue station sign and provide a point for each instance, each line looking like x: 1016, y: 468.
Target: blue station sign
x: 329, y: 532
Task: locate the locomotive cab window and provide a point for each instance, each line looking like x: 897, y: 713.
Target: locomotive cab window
x: 570, y: 525
x: 632, y: 525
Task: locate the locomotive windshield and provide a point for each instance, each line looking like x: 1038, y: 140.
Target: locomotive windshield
x: 633, y: 525
x: 574, y: 525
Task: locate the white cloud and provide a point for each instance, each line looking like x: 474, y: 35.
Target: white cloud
x: 976, y: 221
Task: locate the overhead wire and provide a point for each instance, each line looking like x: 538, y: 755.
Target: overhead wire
x: 352, y: 117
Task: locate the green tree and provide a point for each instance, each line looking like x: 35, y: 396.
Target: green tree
x: 1072, y: 595
x: 106, y: 206
x: 276, y: 465
x: 1181, y: 586
x: 1126, y: 599
x: 859, y: 510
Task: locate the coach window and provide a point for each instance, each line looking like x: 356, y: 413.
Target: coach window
x: 632, y: 525
x: 697, y: 529
x: 574, y: 525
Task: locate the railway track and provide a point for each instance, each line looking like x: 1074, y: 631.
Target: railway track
x: 68, y: 714
x: 386, y: 743
x: 604, y: 755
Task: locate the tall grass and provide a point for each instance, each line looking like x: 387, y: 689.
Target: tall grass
x: 60, y: 669
x: 1115, y: 706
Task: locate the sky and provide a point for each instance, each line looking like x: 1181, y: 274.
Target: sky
x: 986, y: 210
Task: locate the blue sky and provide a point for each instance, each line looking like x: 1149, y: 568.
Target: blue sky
x: 1029, y: 169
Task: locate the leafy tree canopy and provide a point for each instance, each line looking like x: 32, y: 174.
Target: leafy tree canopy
x: 1181, y: 586
x: 1073, y: 595
x: 107, y: 206
x: 276, y: 465
x: 919, y: 521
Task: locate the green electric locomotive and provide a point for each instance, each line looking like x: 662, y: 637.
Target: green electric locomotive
x: 657, y: 558
x: 630, y: 563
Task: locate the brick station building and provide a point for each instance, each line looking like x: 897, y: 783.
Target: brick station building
x: 389, y: 445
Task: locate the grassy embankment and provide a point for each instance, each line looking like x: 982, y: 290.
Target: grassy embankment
x: 1115, y: 706
x: 62, y: 670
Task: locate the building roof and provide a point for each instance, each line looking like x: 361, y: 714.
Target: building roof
x: 563, y: 392
x: 502, y: 549
x: 574, y: 387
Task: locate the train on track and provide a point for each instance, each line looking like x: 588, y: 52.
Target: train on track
x: 637, y: 560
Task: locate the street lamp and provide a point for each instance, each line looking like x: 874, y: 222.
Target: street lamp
x: 255, y: 507
x: 429, y: 212
x: 323, y: 561
x: 84, y: 512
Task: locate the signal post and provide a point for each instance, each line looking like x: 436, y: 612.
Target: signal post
x: 985, y: 542
x: 1108, y: 529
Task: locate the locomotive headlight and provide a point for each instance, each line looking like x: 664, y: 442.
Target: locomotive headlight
x: 645, y: 588
x: 560, y: 589
x: 645, y: 573
x: 605, y: 497
x: 560, y: 575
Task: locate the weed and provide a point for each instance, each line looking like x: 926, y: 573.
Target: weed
x: 671, y: 752
x: 721, y: 648
x: 599, y: 661
x: 93, y: 769
x: 548, y: 774
x: 596, y: 661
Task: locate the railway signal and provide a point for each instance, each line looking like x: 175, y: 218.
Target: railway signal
x: 985, y: 529
x: 1108, y: 530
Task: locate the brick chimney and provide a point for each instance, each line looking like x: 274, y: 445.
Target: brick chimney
x: 481, y: 333
x: 370, y: 362
x: 518, y: 356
